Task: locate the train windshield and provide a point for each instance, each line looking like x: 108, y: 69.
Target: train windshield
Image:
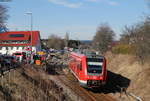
x: 94, y: 66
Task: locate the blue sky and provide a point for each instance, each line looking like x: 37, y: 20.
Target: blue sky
x: 78, y: 17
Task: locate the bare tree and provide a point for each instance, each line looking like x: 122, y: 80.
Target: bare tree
x: 143, y: 40
x: 55, y: 42
x: 3, y: 17
x: 139, y: 36
x: 103, y: 38
x: 129, y: 35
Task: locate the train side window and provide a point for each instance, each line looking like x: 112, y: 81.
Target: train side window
x: 77, y: 64
x: 80, y: 66
x: 71, y: 59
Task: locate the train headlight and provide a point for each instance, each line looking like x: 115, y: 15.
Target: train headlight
x: 101, y: 77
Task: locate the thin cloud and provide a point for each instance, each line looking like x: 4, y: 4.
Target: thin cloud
x: 113, y: 3
x: 110, y: 2
x: 93, y: 0
x: 66, y: 3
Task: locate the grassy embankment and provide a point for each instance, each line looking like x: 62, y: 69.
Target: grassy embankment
x: 129, y: 67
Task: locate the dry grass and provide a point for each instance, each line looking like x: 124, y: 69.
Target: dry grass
x: 15, y: 87
x: 128, y: 66
x: 30, y: 85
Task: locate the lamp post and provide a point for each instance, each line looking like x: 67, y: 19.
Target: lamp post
x: 30, y: 13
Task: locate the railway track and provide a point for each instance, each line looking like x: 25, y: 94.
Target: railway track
x: 85, y: 94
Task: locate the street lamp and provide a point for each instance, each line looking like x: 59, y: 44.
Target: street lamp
x: 30, y: 13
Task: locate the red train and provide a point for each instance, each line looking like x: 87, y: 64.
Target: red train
x: 89, y: 69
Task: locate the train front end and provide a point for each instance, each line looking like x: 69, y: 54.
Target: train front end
x: 95, y: 71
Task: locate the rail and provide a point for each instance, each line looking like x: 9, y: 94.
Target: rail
x: 85, y: 94
x: 137, y: 98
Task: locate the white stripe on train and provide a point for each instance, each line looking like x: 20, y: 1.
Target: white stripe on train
x: 81, y: 81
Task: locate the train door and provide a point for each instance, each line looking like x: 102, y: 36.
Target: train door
x: 79, y: 69
x: 75, y: 67
x: 71, y: 63
x: 104, y: 69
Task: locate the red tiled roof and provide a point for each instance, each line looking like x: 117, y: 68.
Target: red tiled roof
x: 26, y: 36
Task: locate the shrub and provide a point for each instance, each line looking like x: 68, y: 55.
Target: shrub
x: 123, y: 49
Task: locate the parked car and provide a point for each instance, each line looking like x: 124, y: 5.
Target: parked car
x: 7, y: 63
x: 12, y: 61
x: 20, y: 56
x: 4, y: 64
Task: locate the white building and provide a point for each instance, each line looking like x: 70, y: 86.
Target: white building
x: 19, y: 41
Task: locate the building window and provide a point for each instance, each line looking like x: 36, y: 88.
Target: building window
x: 16, y: 35
x: 9, y: 48
x: 20, y: 48
x: 3, y: 48
x: 14, y: 48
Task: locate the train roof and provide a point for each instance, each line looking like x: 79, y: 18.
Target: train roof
x: 77, y: 54
x: 87, y: 54
x: 92, y: 55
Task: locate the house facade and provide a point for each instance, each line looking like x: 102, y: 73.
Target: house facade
x: 19, y: 41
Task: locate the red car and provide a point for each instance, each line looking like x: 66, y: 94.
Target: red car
x: 89, y: 69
